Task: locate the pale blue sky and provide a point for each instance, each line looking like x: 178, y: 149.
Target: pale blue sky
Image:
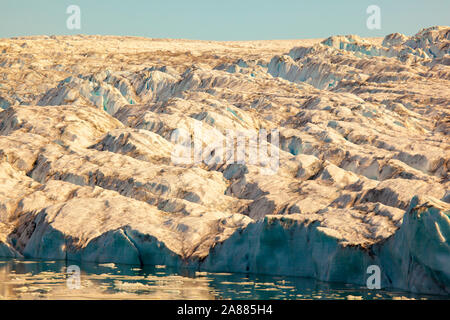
x: 220, y: 20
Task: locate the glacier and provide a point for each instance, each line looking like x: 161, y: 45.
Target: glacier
x: 87, y: 171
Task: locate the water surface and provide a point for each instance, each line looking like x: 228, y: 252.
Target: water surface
x: 29, y: 279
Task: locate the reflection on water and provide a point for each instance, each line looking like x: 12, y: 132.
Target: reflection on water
x: 25, y: 279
